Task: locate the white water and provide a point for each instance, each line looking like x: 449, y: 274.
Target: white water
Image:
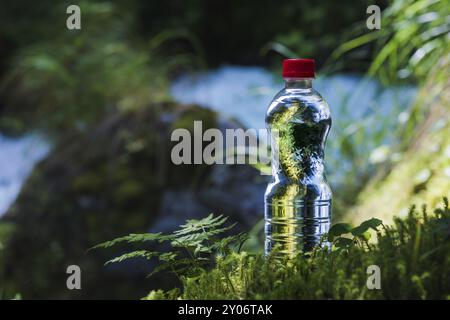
x: 17, y: 159
x: 357, y: 104
x: 245, y: 93
x: 240, y: 92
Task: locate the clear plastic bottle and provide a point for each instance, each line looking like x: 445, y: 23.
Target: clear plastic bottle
x: 298, y: 200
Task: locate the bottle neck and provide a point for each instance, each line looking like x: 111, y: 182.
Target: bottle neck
x: 298, y: 83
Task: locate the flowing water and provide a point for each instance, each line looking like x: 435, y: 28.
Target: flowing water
x: 245, y: 93
x: 240, y: 92
x: 17, y: 159
x: 357, y: 103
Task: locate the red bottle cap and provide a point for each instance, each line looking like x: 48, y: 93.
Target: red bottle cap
x: 298, y: 68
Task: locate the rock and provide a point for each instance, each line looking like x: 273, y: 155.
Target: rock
x: 114, y: 180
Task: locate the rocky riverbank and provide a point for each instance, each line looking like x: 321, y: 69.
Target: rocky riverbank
x: 110, y: 181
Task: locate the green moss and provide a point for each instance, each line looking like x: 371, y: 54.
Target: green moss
x: 89, y: 182
x: 413, y: 256
x: 188, y: 116
x: 411, y: 259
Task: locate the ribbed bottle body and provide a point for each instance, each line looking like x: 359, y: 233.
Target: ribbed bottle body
x: 298, y: 199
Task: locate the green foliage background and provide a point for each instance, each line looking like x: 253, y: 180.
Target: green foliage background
x: 119, y: 69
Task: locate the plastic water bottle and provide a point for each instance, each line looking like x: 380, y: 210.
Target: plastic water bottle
x: 298, y: 199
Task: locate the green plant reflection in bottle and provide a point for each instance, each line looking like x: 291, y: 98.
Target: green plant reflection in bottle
x: 298, y: 200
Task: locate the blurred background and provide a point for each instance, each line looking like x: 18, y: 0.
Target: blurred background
x: 86, y: 117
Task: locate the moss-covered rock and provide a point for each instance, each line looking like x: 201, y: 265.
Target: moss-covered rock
x: 114, y: 180
x: 422, y: 175
x: 411, y: 259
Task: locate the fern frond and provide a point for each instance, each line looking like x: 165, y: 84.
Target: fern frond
x: 193, y: 225
x: 132, y: 238
x: 194, y: 245
x: 131, y: 255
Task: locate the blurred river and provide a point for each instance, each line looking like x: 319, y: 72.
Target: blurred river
x: 245, y: 93
x: 242, y: 93
x: 359, y: 106
x: 17, y: 159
